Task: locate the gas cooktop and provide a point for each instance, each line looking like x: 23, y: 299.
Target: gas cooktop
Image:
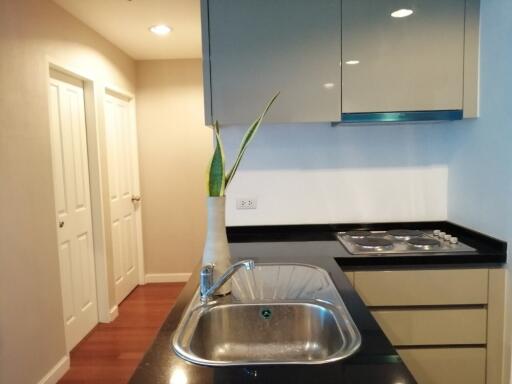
x: 401, y: 241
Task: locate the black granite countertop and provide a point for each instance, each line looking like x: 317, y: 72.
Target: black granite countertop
x: 375, y: 362
x: 489, y: 252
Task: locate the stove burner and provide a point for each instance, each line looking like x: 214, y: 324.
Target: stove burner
x: 424, y: 243
x: 374, y: 243
x: 398, y: 242
x: 404, y: 234
x: 358, y: 234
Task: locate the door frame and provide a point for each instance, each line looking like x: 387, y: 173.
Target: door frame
x: 94, y: 91
x: 130, y: 98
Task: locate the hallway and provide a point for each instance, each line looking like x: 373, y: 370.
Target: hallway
x: 111, y: 352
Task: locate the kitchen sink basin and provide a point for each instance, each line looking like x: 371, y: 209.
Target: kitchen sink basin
x: 273, y: 332
x: 275, y: 314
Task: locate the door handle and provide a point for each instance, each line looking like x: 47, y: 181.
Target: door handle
x: 136, y: 198
x: 61, y: 224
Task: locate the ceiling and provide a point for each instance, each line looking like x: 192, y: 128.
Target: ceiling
x: 125, y: 23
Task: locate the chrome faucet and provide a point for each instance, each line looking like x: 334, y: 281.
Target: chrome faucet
x: 208, y: 287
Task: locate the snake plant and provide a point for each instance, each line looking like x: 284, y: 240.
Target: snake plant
x: 218, y: 179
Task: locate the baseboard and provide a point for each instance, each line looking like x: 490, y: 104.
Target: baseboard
x: 114, y: 312
x: 56, y: 373
x: 167, y: 277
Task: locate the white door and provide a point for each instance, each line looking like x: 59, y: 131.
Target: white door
x: 73, y: 208
x: 124, y: 198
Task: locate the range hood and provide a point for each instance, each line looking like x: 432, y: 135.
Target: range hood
x: 389, y: 117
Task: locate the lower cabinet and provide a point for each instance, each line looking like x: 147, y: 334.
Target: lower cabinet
x: 423, y: 287
x: 446, y: 365
x: 446, y: 324
x: 440, y: 326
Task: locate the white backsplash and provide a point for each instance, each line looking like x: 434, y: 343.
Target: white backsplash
x: 316, y: 173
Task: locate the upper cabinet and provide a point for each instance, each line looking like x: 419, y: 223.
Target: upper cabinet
x: 253, y: 49
x: 348, y: 60
x: 402, y: 55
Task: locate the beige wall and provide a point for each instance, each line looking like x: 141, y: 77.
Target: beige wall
x: 174, y: 147
x: 31, y: 324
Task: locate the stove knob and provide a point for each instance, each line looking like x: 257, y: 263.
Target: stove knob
x: 441, y: 234
x: 437, y: 232
x: 447, y: 237
x: 454, y: 240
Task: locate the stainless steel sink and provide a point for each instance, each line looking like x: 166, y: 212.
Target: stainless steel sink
x: 276, y: 314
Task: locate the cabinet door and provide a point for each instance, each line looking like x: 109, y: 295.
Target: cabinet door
x: 422, y: 288
x: 446, y: 365
x: 257, y: 48
x: 412, y: 63
x: 433, y: 326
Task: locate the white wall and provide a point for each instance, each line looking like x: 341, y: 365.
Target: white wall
x: 174, y: 152
x: 480, y: 179
x: 480, y: 183
x: 32, y: 340
x: 316, y: 173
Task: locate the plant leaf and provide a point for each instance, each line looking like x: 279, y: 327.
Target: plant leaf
x: 216, y: 178
x: 247, y: 139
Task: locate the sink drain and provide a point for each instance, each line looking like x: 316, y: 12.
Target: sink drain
x: 266, y: 313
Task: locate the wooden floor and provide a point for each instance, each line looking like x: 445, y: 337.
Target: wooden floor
x: 111, y: 352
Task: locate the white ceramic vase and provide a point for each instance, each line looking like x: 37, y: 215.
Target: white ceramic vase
x: 216, y: 248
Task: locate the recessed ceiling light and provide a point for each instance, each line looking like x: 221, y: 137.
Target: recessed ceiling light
x: 402, y: 13
x: 352, y: 62
x: 160, y: 29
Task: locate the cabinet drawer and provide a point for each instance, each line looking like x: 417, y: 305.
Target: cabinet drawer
x: 446, y: 365
x: 433, y: 326
x: 427, y: 287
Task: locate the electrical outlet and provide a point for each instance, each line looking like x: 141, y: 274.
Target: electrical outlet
x: 246, y: 203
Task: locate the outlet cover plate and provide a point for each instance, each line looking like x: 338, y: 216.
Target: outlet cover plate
x: 247, y: 203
